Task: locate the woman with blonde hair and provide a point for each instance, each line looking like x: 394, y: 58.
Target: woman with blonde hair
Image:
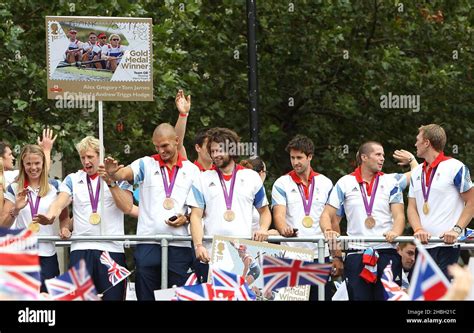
x: 30, y: 194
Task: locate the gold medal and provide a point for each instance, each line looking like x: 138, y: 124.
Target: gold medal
x: 34, y: 227
x: 426, y: 208
x: 370, y: 222
x: 229, y: 215
x: 307, y: 221
x: 94, y: 218
x: 168, y: 203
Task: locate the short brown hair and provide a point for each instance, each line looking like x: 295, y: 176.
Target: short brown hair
x: 254, y: 163
x: 435, y: 134
x: 366, y: 148
x: 301, y: 143
x: 222, y: 135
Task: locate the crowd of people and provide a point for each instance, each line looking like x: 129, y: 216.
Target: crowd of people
x: 220, y: 195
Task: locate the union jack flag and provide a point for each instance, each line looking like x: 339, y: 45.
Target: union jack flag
x: 282, y: 273
x: 231, y: 286
x: 116, y: 272
x: 19, y: 263
x: 192, y: 280
x: 428, y: 281
x: 75, y: 284
x: 393, y: 291
x: 198, y: 292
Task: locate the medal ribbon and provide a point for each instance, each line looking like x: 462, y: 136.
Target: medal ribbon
x: 33, y: 207
x: 369, y: 206
x: 169, y: 188
x: 307, y: 204
x: 227, y: 195
x: 94, y: 198
x: 426, y: 193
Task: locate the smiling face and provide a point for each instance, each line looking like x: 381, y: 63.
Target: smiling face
x: 375, y: 159
x: 33, y: 165
x: 166, y: 146
x: 90, y: 161
x: 300, y: 161
x: 218, y: 156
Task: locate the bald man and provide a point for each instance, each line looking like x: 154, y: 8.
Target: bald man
x: 164, y: 180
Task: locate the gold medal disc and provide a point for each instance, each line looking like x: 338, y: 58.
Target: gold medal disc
x: 229, y: 215
x: 307, y: 222
x: 370, y: 222
x: 94, y: 218
x: 168, y: 203
x: 426, y: 208
x: 34, y: 227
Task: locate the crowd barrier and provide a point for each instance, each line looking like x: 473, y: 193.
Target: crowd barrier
x: 132, y: 240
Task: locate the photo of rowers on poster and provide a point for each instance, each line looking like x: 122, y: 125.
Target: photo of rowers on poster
x: 85, y: 50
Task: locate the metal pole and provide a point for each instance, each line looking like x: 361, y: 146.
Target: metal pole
x: 321, y: 258
x: 101, y: 158
x: 252, y: 75
x: 164, y: 263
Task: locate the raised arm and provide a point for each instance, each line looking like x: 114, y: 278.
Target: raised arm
x: 183, y: 104
x: 404, y: 157
x: 118, y: 172
x: 122, y: 198
x: 47, y: 143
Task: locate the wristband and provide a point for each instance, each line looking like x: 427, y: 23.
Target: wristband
x: 418, y: 229
x: 184, y: 115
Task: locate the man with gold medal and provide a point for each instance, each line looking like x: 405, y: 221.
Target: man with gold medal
x: 298, y: 199
x: 372, y: 203
x: 222, y: 199
x: 441, y: 198
x: 84, y: 189
x: 164, y: 179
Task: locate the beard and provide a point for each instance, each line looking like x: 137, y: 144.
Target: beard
x: 226, y: 160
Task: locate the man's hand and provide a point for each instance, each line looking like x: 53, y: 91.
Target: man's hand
x: 180, y: 221
x: 201, y: 253
x: 183, y: 103
x: 260, y: 235
x: 111, y: 166
x: 422, y: 236
x: 403, y: 157
x: 390, y: 236
x: 287, y: 231
x: 48, y: 140
x: 449, y: 237
x: 65, y: 233
x: 337, y: 267
x: 44, y: 219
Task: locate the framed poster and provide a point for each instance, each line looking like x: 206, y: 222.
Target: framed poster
x: 106, y: 58
x: 244, y: 257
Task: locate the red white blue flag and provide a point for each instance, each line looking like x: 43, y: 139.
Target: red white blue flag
x: 282, y: 273
x: 75, y: 284
x: 428, y: 281
x: 116, y: 272
x: 19, y: 264
x: 393, y: 291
